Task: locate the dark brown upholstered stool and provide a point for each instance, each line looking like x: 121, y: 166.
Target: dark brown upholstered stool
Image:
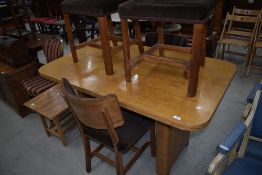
x: 118, y: 129
x: 102, y: 9
x: 177, y: 11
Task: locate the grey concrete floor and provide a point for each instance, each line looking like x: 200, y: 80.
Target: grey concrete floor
x: 26, y: 150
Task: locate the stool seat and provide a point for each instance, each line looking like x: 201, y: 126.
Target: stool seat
x: 91, y: 7
x: 186, y: 11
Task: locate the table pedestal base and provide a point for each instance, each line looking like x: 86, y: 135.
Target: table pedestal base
x: 170, y: 142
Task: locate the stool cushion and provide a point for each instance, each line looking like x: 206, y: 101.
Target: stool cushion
x: 36, y: 85
x: 135, y: 126
x: 187, y: 11
x: 91, y: 7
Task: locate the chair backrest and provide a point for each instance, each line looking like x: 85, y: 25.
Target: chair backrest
x: 91, y: 111
x: 245, y: 12
x: 53, y: 48
x: 239, y: 32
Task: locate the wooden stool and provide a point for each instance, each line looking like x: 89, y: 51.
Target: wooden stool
x: 50, y: 105
x: 179, y: 11
x: 102, y: 9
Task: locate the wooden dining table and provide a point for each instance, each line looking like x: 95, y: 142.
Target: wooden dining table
x: 157, y: 91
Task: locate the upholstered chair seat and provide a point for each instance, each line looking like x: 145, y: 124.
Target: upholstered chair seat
x: 169, y: 10
x: 129, y: 133
x: 91, y: 7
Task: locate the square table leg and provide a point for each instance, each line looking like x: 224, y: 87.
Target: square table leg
x: 170, y: 142
x: 43, y: 120
x: 59, y: 130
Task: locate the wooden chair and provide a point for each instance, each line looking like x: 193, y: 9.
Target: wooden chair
x: 101, y: 9
x: 257, y: 44
x: 236, y: 36
x: 245, y: 163
x: 118, y: 129
x: 53, y: 48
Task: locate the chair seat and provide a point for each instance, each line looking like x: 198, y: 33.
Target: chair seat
x: 188, y: 11
x: 134, y: 128
x: 36, y: 85
x: 38, y: 19
x: 254, y: 150
x: 233, y: 41
x: 245, y: 166
x: 91, y: 7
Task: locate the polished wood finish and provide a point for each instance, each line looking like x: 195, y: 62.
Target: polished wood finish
x: 170, y: 142
x: 50, y: 105
x: 157, y: 91
x: 197, y: 58
x: 197, y: 54
x: 151, y: 83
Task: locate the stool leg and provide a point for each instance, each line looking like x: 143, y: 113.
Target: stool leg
x: 126, y: 49
x: 102, y: 21
x: 111, y: 30
x: 70, y: 37
x: 59, y: 130
x: 138, y: 36
x: 195, y: 59
x: 45, y: 125
x: 203, y: 56
x: 160, y: 36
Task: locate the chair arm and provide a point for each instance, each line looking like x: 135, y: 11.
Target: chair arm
x: 234, y: 136
x: 226, y: 147
x: 215, y: 165
x: 252, y: 93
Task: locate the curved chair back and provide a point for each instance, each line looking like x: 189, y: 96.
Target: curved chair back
x: 53, y: 48
x: 91, y: 111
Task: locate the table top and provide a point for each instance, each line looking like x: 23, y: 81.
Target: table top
x: 157, y: 91
x: 50, y: 103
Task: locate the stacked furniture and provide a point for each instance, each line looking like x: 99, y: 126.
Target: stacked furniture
x: 13, y: 18
x: 101, y: 9
x: 180, y: 11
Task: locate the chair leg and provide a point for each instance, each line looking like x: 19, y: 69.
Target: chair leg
x: 88, y: 155
x: 102, y: 21
x: 119, y: 163
x: 218, y: 50
x: 152, y: 141
x: 223, y: 52
x: 126, y: 49
x: 70, y: 37
x: 160, y: 36
x: 251, y: 58
x: 111, y: 30
x: 138, y: 37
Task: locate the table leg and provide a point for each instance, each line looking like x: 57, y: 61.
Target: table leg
x: 59, y: 130
x: 170, y: 142
x: 45, y: 125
